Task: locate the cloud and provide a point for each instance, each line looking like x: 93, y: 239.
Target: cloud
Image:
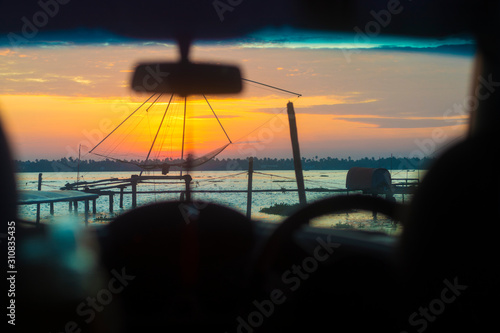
x: 212, y: 116
x: 465, y: 49
x: 30, y: 79
x: 80, y: 79
x: 346, y: 107
x: 5, y: 52
x: 6, y: 74
x: 405, y: 123
x: 311, y: 39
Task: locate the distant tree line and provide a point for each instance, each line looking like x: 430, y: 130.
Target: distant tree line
x: 229, y: 164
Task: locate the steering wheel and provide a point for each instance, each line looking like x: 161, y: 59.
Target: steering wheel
x: 284, y: 232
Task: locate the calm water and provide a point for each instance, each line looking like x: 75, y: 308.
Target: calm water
x: 202, y: 180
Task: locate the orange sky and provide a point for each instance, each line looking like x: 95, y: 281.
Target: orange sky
x: 54, y: 99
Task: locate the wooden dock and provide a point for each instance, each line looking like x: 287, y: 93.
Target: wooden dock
x: 50, y: 197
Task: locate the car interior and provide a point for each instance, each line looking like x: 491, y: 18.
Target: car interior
x: 192, y: 266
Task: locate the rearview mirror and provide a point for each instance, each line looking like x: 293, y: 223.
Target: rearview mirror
x: 186, y: 78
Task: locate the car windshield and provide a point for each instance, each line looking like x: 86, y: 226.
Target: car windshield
x: 386, y: 104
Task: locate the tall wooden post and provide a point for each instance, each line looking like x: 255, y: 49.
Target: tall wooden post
x: 134, y: 191
x: 249, y: 190
x: 38, y: 205
x: 183, y: 133
x: 121, y: 196
x: 111, y: 203
x: 87, y: 206
x: 187, y: 180
x: 297, y: 162
x: 39, y: 182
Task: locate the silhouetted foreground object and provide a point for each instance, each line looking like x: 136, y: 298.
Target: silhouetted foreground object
x: 8, y: 186
x: 189, y: 263
x: 61, y: 286
x: 220, y: 19
x: 449, y: 247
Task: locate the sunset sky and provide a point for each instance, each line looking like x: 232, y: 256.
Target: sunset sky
x: 388, y: 96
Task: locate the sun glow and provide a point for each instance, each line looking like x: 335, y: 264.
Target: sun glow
x: 57, y: 100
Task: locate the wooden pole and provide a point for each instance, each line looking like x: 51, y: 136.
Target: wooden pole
x: 297, y: 162
x: 38, y: 205
x: 111, y: 202
x: 121, y: 197
x: 134, y: 191
x: 183, y: 132
x: 78, y: 165
x: 249, y: 191
x: 39, y: 182
x: 187, y: 179
x: 87, y: 206
x: 94, y: 206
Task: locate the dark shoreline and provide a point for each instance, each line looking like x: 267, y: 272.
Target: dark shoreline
x: 230, y: 164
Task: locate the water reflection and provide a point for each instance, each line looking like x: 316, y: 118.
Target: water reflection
x: 358, y: 221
